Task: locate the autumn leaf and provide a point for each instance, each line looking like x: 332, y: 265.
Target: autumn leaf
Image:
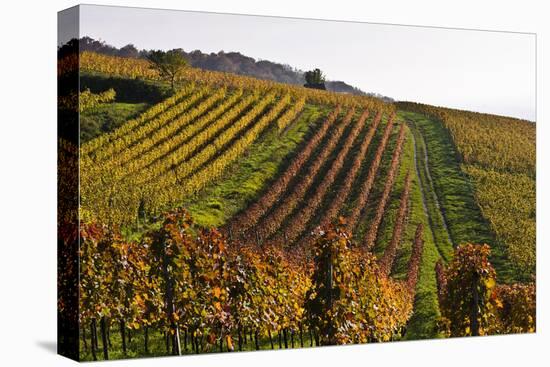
x: 217, y: 292
x: 229, y: 343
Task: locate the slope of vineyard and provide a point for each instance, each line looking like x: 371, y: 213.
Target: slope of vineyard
x: 254, y: 292
x: 174, y: 150
x: 272, y: 222
x: 298, y: 223
x: 225, y: 205
x: 497, y: 156
x: 423, y: 322
x: 149, y: 166
x: 452, y: 190
x: 253, y: 173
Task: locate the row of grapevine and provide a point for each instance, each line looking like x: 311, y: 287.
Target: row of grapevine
x: 135, y: 156
x: 387, y: 259
x: 204, y: 290
x: 86, y: 100
x: 195, y: 285
x: 67, y: 183
x: 162, y: 121
x: 184, y: 169
x: 272, y: 222
x: 227, y: 136
x: 298, y: 106
x: 518, y: 311
x: 372, y: 233
x: 67, y: 245
x: 299, y: 222
x: 169, y: 104
x: 155, y: 193
x: 213, y: 170
x: 203, y: 130
x: 343, y: 193
x: 190, y: 176
x: 174, y: 163
x: 68, y: 64
x: 496, y: 142
x: 441, y: 278
x: 508, y: 202
x: 171, y: 144
x: 340, y: 301
x: 368, y: 183
x: 255, y: 211
x: 415, y: 258
x: 472, y: 303
x: 466, y: 303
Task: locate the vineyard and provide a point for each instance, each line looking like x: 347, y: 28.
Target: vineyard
x: 244, y: 214
x: 497, y: 154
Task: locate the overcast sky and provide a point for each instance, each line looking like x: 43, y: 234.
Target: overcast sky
x: 482, y: 71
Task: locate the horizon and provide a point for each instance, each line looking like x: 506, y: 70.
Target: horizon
x: 481, y: 71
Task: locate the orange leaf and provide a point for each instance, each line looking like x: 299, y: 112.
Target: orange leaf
x: 217, y: 292
x: 229, y: 343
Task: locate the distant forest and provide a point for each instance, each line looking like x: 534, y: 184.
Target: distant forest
x: 232, y: 62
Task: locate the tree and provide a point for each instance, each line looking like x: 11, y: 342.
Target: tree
x: 169, y: 64
x: 128, y: 51
x: 315, y: 79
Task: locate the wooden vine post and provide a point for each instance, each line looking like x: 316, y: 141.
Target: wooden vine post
x: 174, y: 328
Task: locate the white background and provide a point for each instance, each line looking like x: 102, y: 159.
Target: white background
x: 28, y: 33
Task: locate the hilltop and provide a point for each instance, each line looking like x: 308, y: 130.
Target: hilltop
x: 232, y: 62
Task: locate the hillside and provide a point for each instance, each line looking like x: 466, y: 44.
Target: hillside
x: 232, y: 62
x: 498, y: 156
x: 251, y: 191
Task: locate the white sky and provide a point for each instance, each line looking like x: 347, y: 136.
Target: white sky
x: 482, y: 71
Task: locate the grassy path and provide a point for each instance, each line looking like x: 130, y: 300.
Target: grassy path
x: 423, y: 192
x: 432, y: 207
x: 453, y: 188
x: 437, y: 243
x: 456, y: 193
x: 426, y: 309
